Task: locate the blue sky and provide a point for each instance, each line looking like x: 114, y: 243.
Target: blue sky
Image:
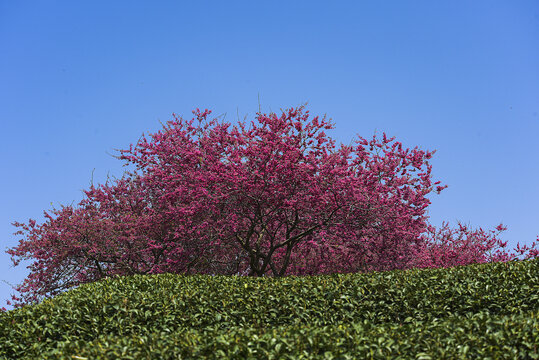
x: 79, y: 79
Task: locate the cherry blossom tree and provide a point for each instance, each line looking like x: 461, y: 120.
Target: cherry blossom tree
x: 271, y: 198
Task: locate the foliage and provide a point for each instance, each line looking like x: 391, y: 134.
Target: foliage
x: 500, y: 337
x: 476, y: 311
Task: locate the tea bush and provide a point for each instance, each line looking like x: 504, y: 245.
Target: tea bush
x: 476, y: 311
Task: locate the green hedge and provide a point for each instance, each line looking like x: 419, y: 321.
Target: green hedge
x: 480, y: 336
x: 487, y: 309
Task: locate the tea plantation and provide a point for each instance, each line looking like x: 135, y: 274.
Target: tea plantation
x: 482, y: 311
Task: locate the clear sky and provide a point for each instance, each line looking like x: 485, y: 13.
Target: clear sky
x: 79, y: 79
